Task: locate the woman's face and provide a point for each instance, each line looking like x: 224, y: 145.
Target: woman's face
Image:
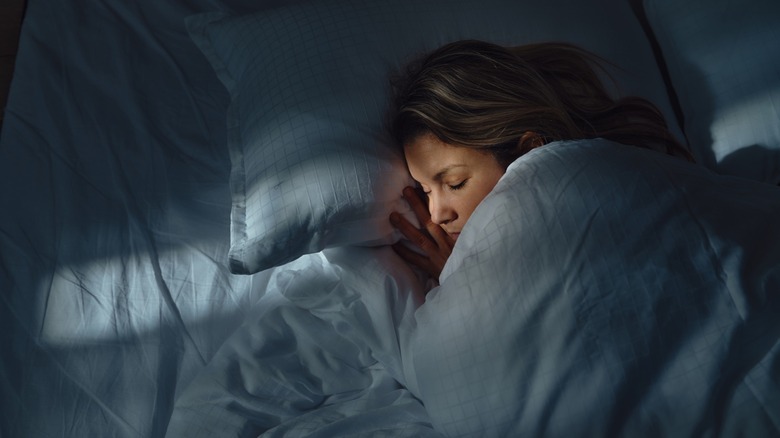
x: 455, y: 178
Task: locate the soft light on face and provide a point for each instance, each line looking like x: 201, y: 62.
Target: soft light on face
x: 455, y: 178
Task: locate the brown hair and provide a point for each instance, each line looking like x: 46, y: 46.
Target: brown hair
x: 481, y: 95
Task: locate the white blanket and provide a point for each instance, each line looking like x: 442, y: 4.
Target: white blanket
x: 599, y: 290
x: 321, y: 357
x: 605, y: 290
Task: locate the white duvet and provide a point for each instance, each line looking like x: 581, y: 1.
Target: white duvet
x: 599, y: 290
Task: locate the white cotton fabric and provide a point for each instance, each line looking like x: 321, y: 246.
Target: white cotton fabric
x: 599, y: 290
x: 320, y: 358
x: 606, y: 290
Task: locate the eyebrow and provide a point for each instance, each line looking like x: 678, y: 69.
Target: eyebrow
x: 444, y: 171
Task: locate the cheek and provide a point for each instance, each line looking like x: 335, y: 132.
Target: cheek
x: 482, y: 191
x: 475, y: 197
x: 489, y: 184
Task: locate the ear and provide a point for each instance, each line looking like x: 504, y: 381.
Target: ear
x: 529, y: 140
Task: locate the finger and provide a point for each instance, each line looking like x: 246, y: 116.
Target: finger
x: 416, y: 259
x: 440, y: 237
x: 416, y: 202
x: 418, y: 205
x: 417, y: 237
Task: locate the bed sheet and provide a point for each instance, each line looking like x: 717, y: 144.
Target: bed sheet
x: 114, y: 287
x: 321, y: 357
x: 114, y: 229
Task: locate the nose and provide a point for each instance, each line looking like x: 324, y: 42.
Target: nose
x: 441, y: 210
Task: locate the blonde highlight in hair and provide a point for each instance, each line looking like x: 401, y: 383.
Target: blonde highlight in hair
x: 481, y: 95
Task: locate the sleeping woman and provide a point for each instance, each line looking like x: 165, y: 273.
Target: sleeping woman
x: 466, y: 111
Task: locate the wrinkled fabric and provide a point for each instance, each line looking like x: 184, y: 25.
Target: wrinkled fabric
x: 321, y: 357
x: 114, y: 220
x: 606, y: 290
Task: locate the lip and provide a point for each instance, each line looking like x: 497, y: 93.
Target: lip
x: 455, y: 235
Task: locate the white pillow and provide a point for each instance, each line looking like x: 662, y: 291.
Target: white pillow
x: 311, y: 166
x: 724, y: 64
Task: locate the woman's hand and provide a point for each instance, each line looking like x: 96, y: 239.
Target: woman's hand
x: 435, y: 243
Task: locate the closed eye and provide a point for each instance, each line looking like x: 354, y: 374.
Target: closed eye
x: 458, y: 186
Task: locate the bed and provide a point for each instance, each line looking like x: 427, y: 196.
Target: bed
x: 194, y: 237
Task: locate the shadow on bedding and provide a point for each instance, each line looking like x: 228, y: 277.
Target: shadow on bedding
x: 731, y: 126
x: 120, y: 386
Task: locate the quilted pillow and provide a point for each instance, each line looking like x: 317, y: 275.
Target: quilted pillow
x: 724, y: 64
x: 311, y: 167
